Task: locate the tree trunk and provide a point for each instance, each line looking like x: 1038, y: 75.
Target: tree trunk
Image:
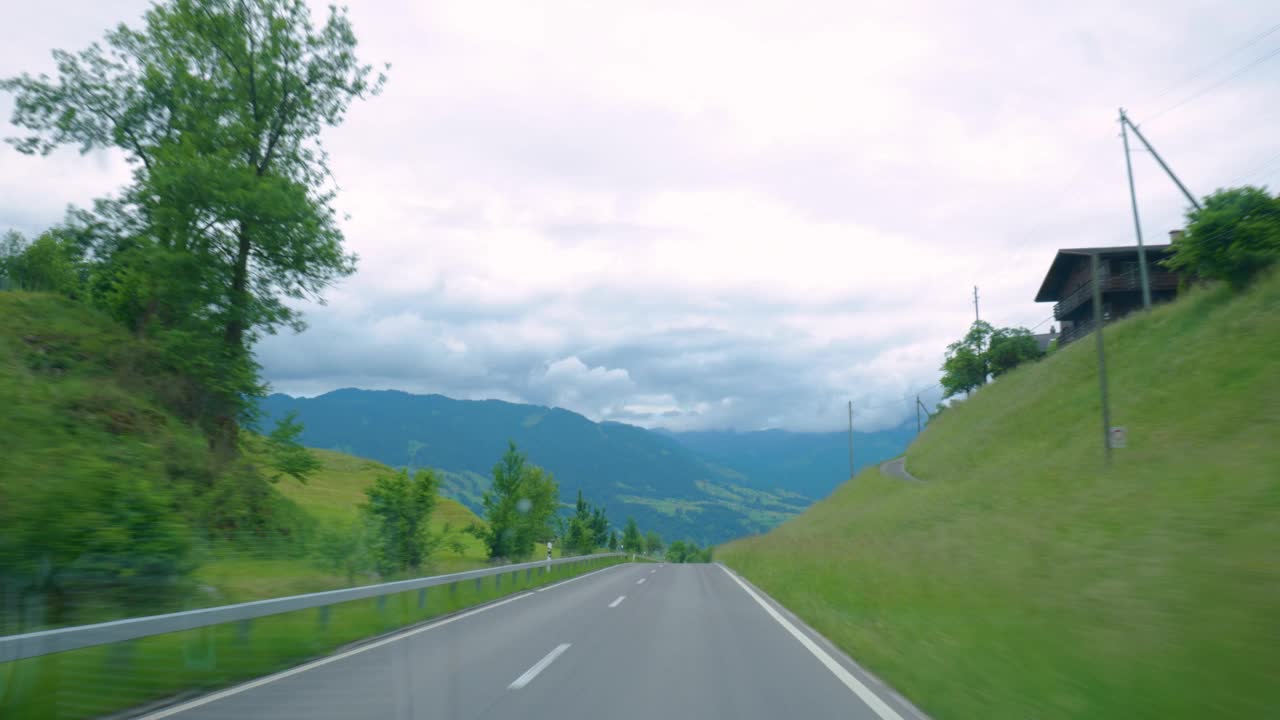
x: 226, y: 431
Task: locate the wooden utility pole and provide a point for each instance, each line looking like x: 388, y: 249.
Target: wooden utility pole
x: 1102, y: 355
x: 917, y: 414
x: 975, y: 304
x: 850, y: 438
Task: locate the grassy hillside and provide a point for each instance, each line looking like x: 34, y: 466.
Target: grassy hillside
x: 95, y: 466
x: 112, y: 504
x: 331, y: 497
x: 1025, y: 579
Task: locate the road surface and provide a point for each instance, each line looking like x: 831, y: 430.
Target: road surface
x: 897, y: 468
x: 658, y: 642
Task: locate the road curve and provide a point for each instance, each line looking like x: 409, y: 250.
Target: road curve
x: 897, y: 468
x: 632, y: 641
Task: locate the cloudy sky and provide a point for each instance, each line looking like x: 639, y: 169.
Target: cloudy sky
x: 723, y: 214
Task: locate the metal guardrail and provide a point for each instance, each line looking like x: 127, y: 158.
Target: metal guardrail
x: 45, y: 642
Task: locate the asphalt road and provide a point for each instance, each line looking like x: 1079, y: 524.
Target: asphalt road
x: 897, y: 468
x: 633, y: 641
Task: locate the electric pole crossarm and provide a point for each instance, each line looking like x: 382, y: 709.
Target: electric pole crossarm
x: 1187, y: 193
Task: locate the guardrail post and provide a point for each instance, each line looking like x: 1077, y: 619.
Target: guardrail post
x: 324, y: 617
x: 244, y: 628
x: 382, y: 605
x: 479, y: 585
x: 120, y: 656
x: 515, y: 577
x: 199, y: 652
x: 422, y: 598
x: 528, y: 575
x: 497, y: 582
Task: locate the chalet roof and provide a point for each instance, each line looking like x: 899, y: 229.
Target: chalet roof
x: 1063, y: 265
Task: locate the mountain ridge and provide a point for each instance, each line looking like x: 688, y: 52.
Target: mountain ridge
x: 656, y: 477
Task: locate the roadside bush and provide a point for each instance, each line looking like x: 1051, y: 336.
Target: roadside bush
x: 74, y: 546
x: 49, y: 264
x: 345, y: 549
x: 1234, y: 237
x: 398, y: 511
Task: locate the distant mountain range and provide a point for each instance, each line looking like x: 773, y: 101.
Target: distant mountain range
x: 703, y: 486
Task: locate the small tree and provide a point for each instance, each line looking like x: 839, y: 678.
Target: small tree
x: 1009, y: 348
x: 599, y: 528
x: 984, y: 351
x: 1234, y: 237
x: 288, y: 456
x: 963, y: 371
x: 399, y: 509
x: 613, y: 541
x: 519, y: 507
x: 632, y: 541
x: 676, y: 552
x: 652, y: 543
x: 48, y: 264
x: 12, y: 243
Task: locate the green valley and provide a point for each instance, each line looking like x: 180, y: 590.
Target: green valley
x: 706, y: 487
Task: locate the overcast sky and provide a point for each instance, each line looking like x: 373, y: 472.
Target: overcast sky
x: 722, y: 214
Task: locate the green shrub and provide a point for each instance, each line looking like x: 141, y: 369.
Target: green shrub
x: 1234, y: 237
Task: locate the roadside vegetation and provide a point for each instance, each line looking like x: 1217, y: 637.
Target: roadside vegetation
x: 1024, y: 578
x: 131, y: 386
x: 985, y: 352
x: 97, y: 681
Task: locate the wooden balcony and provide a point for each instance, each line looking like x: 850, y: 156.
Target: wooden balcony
x: 1130, y: 281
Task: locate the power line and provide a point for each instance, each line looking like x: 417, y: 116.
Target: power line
x: 1042, y: 322
x: 909, y: 396
x: 1204, y: 68
x: 1270, y: 161
x: 1256, y: 62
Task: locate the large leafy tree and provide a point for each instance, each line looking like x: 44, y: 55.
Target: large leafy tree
x: 218, y: 105
x: 1233, y: 237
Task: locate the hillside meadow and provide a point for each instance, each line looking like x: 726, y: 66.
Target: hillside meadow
x: 1024, y: 578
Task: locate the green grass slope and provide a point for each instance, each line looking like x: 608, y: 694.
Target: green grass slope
x: 1024, y: 579
x: 96, y: 470
x: 332, y: 497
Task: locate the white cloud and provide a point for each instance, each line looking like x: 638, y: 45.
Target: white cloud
x: 720, y: 213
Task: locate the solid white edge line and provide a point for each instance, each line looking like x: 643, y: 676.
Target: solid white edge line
x: 237, y: 689
x: 873, y: 701
x: 538, y: 667
x: 617, y: 602
x: 205, y: 700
